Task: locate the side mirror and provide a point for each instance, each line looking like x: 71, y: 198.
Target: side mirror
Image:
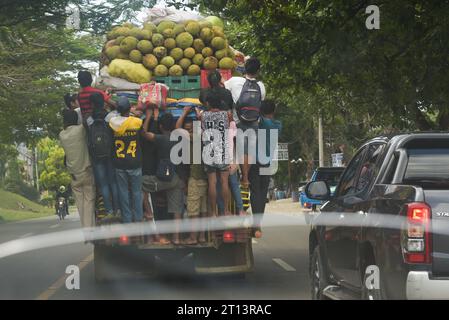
x: 318, y: 190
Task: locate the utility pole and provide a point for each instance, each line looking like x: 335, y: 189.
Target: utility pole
x: 289, y: 173
x: 36, y: 169
x: 320, y: 141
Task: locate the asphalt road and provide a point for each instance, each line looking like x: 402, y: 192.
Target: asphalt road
x: 281, y: 263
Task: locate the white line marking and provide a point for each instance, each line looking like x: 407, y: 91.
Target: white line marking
x: 54, y: 226
x: 26, y: 235
x: 284, y: 264
x: 254, y: 241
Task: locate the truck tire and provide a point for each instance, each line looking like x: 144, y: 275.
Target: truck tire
x: 318, y: 275
x: 115, y: 262
x: 100, y: 264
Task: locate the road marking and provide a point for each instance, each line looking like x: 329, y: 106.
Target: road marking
x: 254, y: 241
x: 284, y: 265
x: 54, y: 226
x: 47, y: 294
x: 26, y: 235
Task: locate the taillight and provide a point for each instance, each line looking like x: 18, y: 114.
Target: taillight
x: 124, y: 240
x: 416, y: 243
x: 228, y: 237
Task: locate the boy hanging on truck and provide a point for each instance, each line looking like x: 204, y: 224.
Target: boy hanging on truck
x: 127, y: 160
x: 260, y: 182
x: 166, y: 178
x: 85, y: 80
x: 196, y: 186
x: 215, y: 124
x: 100, y: 148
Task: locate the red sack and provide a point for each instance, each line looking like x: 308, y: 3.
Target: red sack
x: 154, y: 94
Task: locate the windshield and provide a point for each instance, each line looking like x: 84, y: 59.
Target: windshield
x: 167, y: 150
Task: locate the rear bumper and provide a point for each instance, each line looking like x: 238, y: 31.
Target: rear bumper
x: 420, y: 286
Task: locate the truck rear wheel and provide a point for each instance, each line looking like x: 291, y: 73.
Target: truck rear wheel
x: 112, y: 262
x: 100, y: 264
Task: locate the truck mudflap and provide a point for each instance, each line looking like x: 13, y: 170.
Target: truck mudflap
x: 229, y: 258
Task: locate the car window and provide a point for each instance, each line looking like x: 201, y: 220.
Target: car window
x: 348, y: 180
x: 331, y: 177
x: 369, y: 168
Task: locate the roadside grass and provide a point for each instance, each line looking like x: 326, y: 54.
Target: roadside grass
x: 14, y: 207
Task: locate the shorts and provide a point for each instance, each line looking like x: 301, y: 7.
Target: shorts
x: 196, y: 197
x: 248, y: 144
x: 174, y: 192
x: 217, y: 168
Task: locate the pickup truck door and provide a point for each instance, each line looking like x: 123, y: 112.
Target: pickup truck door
x: 339, y: 247
x: 353, y: 206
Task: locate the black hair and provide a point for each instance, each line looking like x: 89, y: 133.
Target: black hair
x: 84, y: 78
x: 188, y: 120
x: 267, y: 107
x: 68, y: 99
x: 166, y: 121
x: 214, y: 78
x: 252, y: 66
x: 123, y: 106
x: 213, y: 99
x: 97, y: 101
x: 69, y: 117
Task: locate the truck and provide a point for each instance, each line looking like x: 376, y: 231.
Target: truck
x: 226, y: 252
x: 384, y: 233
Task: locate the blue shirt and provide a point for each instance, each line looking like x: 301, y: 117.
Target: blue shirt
x: 268, y: 124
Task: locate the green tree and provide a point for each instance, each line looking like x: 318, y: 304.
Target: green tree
x: 39, y: 58
x: 392, y: 77
x: 53, y: 173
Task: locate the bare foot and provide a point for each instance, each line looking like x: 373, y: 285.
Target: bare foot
x: 164, y: 241
x: 176, y: 240
x: 190, y: 241
x: 202, y: 238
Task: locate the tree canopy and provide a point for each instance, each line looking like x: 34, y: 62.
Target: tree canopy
x: 39, y: 58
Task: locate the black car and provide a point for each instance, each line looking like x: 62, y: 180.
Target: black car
x: 384, y: 233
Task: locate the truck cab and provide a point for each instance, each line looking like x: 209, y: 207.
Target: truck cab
x: 387, y: 221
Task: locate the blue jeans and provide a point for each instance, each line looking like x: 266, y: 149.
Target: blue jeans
x: 106, y: 180
x: 234, y: 185
x: 130, y: 194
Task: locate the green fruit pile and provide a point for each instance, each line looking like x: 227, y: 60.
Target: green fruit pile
x: 171, y: 49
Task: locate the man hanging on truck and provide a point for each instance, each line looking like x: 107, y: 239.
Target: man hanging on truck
x: 247, y: 93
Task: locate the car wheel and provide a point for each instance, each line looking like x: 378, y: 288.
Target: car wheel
x: 318, y: 276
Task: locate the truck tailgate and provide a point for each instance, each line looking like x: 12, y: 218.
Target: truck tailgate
x: 439, y: 202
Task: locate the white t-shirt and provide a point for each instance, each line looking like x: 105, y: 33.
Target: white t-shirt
x: 80, y: 117
x: 235, y: 85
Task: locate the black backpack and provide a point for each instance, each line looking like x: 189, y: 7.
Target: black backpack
x: 250, y: 100
x: 100, y: 138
